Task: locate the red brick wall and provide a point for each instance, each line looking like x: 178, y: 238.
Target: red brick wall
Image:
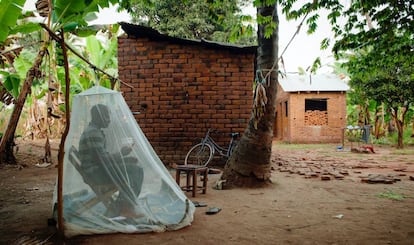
x: 182, y: 89
x: 330, y: 133
x: 298, y: 132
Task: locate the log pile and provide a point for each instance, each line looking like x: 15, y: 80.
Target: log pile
x: 316, y: 118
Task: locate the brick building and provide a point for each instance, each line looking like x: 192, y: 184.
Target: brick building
x: 183, y: 87
x: 310, y: 109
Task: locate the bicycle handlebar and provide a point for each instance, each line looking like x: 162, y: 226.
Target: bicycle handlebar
x: 235, y: 135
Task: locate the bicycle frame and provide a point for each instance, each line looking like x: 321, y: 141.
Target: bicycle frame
x: 203, y: 152
x: 226, y: 152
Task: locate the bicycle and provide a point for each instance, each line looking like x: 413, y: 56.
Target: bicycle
x: 203, y: 152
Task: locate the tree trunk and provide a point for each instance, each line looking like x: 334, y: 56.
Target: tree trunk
x: 400, y: 131
x: 380, y: 128
x: 361, y: 118
x: 380, y: 125
x: 367, y: 115
x: 7, y: 141
x: 399, y: 123
x: 249, y: 164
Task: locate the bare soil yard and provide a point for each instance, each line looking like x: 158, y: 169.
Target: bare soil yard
x: 352, y: 207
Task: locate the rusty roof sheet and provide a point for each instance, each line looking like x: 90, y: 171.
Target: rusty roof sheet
x: 142, y: 31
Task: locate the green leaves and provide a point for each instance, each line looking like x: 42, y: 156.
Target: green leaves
x: 24, y: 62
x: 263, y: 3
x: 269, y: 29
x: 316, y: 64
x: 268, y: 23
x: 11, y: 83
x: 379, y: 17
x: 333, y: 16
x: 87, y: 30
x: 239, y: 31
x: 25, y: 28
x: 312, y: 23
x: 325, y: 43
x: 377, y: 34
x: 9, y: 12
x: 383, y: 71
x: 71, y: 14
x: 218, y: 20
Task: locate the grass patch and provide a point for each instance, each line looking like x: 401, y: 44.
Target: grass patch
x: 392, y: 138
x: 392, y: 195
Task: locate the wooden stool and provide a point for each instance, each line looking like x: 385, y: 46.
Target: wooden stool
x: 194, y: 170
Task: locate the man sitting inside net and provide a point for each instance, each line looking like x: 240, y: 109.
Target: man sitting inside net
x: 107, y: 171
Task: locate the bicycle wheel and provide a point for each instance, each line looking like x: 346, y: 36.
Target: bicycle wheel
x: 200, y: 154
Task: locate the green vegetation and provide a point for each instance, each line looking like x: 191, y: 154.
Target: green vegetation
x: 392, y: 138
x: 389, y: 194
x: 379, y: 61
x: 374, y: 43
x: 212, y: 20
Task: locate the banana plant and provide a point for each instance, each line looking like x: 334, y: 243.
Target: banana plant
x: 67, y: 16
x: 9, y: 13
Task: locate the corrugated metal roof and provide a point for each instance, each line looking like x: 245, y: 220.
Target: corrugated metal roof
x: 142, y: 31
x: 320, y: 82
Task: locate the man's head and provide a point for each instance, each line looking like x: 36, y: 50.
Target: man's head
x: 100, y: 115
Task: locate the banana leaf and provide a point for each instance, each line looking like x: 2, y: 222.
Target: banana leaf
x: 10, y: 10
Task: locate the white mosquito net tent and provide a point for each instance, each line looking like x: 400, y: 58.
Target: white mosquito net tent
x: 113, y: 181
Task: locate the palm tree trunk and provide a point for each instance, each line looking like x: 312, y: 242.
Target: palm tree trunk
x: 7, y: 141
x: 249, y: 164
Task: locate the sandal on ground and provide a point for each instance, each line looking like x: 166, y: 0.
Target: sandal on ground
x: 213, y: 210
x: 199, y: 204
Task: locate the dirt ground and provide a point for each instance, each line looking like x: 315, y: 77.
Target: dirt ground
x: 299, y: 208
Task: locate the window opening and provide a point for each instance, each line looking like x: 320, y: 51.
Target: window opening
x: 286, y: 109
x: 316, y: 112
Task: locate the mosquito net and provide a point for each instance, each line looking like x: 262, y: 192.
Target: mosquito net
x: 113, y: 180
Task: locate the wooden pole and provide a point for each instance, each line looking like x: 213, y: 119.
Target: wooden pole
x: 65, y: 133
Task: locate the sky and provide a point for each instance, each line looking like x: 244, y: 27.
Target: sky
x: 302, y: 51
x: 304, y: 48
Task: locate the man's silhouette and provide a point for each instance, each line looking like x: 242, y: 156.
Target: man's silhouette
x: 106, y: 169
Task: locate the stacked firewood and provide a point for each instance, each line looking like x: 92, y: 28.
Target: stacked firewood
x: 316, y: 118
